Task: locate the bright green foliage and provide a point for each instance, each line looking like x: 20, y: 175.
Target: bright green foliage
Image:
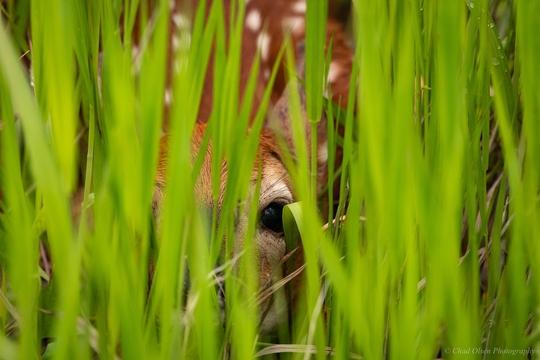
x: 434, y: 251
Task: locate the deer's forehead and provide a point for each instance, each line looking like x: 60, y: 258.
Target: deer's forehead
x: 275, y: 183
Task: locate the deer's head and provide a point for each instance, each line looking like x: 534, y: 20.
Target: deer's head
x: 265, y: 26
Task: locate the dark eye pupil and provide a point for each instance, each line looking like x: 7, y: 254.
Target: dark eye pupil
x: 271, y: 217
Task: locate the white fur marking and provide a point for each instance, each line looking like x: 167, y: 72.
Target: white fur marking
x: 175, y: 43
x: 267, y: 74
x: 333, y: 72
x: 294, y: 24
x: 299, y: 6
x: 253, y: 20
x: 134, y: 52
x: 168, y: 97
x: 263, y: 44
x: 323, y: 153
x: 181, y: 21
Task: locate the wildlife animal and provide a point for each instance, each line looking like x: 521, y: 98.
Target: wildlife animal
x: 267, y: 24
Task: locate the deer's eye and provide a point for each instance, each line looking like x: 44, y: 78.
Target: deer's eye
x: 271, y: 217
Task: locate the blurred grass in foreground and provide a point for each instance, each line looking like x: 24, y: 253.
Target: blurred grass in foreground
x: 438, y: 254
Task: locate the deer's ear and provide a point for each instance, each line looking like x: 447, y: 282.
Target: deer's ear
x: 280, y: 123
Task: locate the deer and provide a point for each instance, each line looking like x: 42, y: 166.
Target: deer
x: 267, y: 23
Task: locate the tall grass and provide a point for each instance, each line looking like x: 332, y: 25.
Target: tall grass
x: 435, y: 249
